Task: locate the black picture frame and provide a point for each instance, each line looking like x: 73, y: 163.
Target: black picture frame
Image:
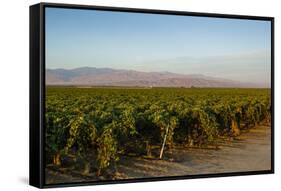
x: 37, y: 93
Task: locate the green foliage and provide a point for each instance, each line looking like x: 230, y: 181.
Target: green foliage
x: 110, y: 122
x: 107, y: 148
x: 82, y: 133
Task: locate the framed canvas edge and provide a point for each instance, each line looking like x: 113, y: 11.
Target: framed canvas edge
x: 38, y: 167
x: 35, y: 96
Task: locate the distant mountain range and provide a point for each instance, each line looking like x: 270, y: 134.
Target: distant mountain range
x: 90, y: 76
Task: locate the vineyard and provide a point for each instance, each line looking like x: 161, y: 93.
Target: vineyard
x: 91, y: 128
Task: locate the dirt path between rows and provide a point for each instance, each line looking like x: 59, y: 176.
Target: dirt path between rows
x: 251, y: 151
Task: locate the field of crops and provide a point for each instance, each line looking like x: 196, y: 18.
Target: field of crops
x: 91, y: 128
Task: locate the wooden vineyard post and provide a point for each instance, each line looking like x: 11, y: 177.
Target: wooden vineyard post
x: 164, y: 142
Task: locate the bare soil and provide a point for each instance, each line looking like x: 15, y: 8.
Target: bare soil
x: 250, y: 151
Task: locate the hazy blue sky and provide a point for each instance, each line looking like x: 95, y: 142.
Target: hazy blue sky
x: 229, y: 48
